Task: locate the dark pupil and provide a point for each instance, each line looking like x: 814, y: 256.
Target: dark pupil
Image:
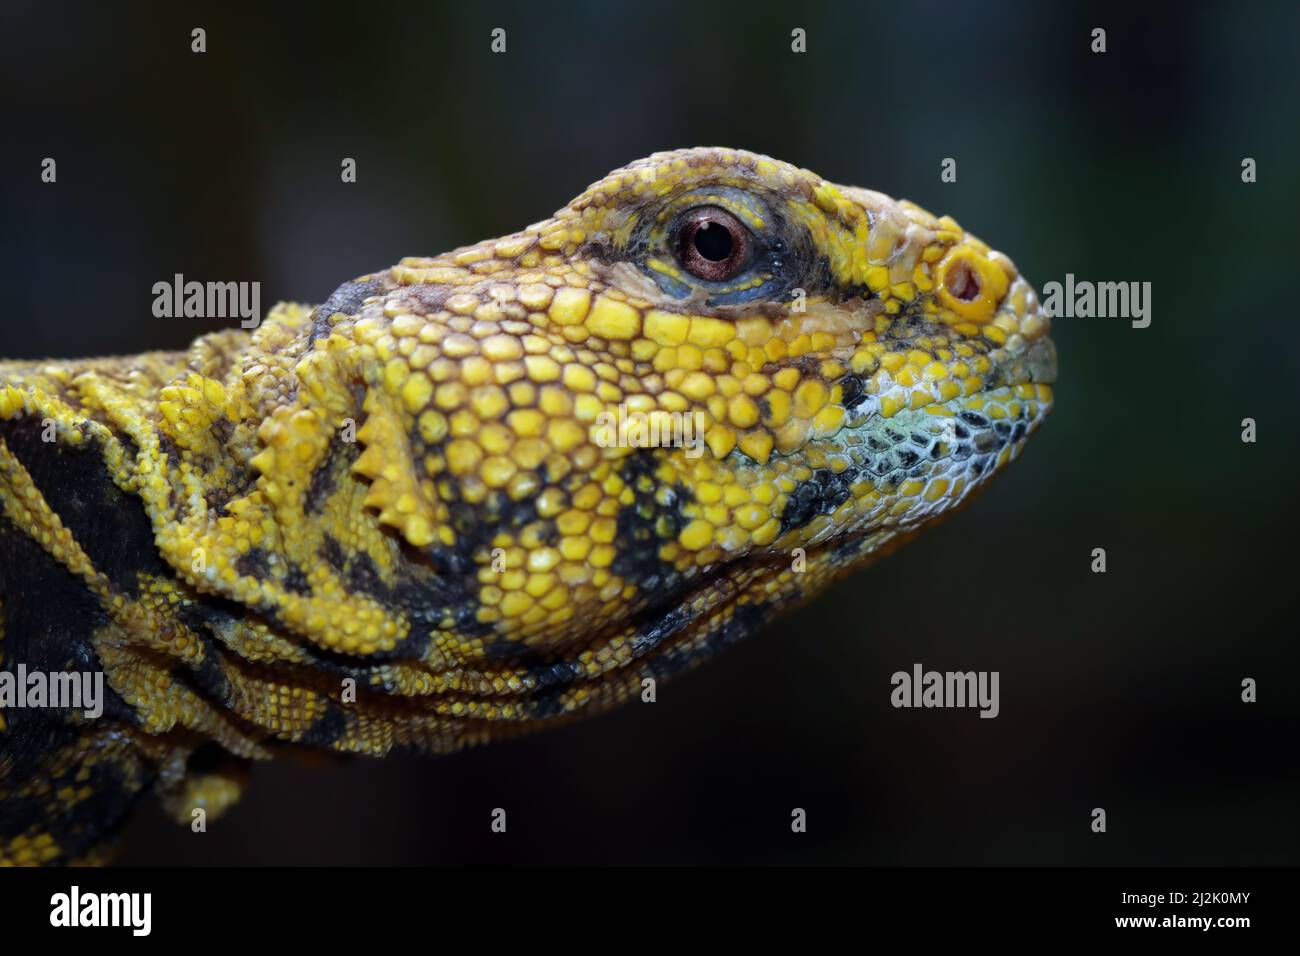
x: 713, y: 242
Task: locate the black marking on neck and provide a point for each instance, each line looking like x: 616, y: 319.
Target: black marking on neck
x: 110, y: 525
x: 347, y: 299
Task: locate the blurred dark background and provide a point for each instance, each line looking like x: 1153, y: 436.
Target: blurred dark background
x: 1119, y: 690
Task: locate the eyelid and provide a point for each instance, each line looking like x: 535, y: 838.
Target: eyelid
x: 666, y: 268
x: 747, y: 216
x: 745, y: 206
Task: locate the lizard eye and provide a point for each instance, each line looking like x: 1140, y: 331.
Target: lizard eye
x: 712, y: 244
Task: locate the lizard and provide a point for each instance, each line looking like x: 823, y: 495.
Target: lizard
x: 488, y: 491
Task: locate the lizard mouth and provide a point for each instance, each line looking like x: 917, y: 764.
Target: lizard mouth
x: 910, y: 450
x: 939, y: 453
x: 1039, y: 362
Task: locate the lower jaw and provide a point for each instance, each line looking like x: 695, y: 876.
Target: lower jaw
x: 906, y: 469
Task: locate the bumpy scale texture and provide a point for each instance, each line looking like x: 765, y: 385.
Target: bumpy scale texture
x: 415, y: 489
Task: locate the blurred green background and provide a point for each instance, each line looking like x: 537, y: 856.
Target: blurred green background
x: 1118, y: 690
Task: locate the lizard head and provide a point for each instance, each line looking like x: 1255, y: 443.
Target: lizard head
x: 707, y: 360
x: 611, y: 442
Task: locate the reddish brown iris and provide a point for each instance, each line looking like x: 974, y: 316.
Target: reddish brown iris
x: 712, y: 244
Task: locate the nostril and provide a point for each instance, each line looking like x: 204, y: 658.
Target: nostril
x: 971, y: 284
x: 963, y: 282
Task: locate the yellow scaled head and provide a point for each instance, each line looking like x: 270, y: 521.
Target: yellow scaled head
x: 632, y: 431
